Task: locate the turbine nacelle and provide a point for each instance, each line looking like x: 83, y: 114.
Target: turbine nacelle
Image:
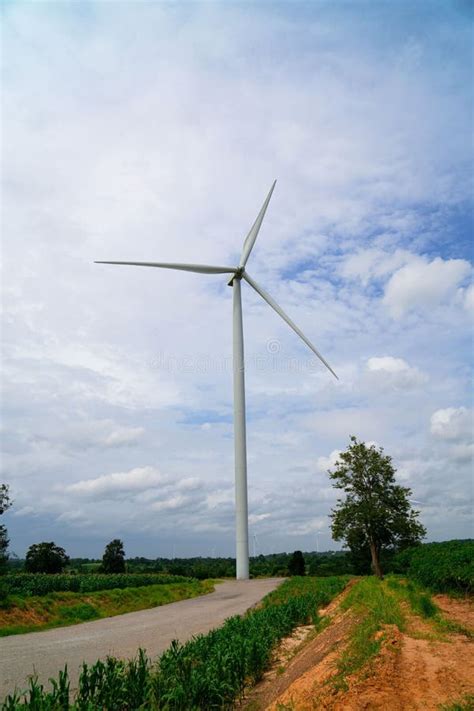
x: 238, y: 274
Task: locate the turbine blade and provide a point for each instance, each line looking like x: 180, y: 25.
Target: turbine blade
x: 286, y: 318
x: 198, y: 268
x: 252, y: 235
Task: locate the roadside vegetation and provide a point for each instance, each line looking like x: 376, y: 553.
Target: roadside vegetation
x: 374, y: 606
x: 209, y: 672
x: 33, y: 613
x: 377, y: 604
x: 442, y: 567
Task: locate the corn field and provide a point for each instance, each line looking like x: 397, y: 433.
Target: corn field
x: 26, y: 584
x: 209, y: 672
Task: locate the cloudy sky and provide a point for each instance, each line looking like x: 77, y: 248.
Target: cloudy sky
x: 153, y: 131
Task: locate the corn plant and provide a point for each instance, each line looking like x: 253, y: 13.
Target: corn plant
x: 26, y: 584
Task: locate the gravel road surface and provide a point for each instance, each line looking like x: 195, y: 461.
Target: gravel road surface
x: 44, y: 653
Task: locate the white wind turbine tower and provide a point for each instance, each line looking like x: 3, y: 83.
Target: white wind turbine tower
x: 237, y: 274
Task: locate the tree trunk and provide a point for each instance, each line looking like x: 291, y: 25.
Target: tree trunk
x: 375, y: 560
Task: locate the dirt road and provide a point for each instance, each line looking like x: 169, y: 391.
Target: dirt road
x: 44, y: 653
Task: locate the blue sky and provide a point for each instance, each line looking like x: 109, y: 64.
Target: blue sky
x: 153, y: 131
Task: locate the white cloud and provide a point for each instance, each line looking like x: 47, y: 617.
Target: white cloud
x: 388, y: 364
x: 367, y: 264
x: 325, y: 463
x: 395, y: 372
x: 256, y: 518
x: 23, y: 511
x: 189, y: 484
x: 174, y: 502
x: 220, y: 497
x: 424, y: 284
x: 123, y: 436
x: 469, y: 298
x: 452, y: 423
x: 135, y: 480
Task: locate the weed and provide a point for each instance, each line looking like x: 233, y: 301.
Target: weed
x: 464, y: 704
x: 421, y: 604
x: 77, y: 613
x: 374, y: 605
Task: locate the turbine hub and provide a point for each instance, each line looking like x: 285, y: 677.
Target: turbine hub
x: 238, y: 275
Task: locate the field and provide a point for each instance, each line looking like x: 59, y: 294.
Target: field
x: 442, y: 567
x: 210, y: 672
x: 25, y: 584
x: 29, y: 613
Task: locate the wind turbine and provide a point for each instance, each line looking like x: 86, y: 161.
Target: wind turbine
x: 255, y: 545
x: 240, y: 446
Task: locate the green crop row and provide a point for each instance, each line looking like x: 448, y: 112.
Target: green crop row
x: 209, y: 672
x: 26, y: 584
x: 443, y: 567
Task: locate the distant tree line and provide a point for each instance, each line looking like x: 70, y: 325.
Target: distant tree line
x: 375, y: 521
x: 47, y: 557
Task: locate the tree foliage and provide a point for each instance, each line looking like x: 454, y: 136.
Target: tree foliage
x: 113, y: 560
x: 5, y: 504
x: 45, y: 558
x: 296, y: 566
x: 376, y: 513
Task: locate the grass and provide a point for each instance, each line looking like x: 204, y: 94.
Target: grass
x: 59, y: 609
x: 307, y: 585
x: 378, y: 603
x: 466, y: 703
x: 421, y: 604
x: 374, y: 605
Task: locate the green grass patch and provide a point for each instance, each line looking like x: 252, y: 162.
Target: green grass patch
x: 377, y: 603
x: 374, y: 605
x: 466, y: 703
x: 324, y: 589
x: 419, y: 600
x: 421, y: 604
x: 58, y: 609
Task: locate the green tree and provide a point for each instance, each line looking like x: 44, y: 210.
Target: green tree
x: 296, y: 566
x: 46, y: 558
x: 113, y: 560
x: 5, y: 504
x: 376, y: 513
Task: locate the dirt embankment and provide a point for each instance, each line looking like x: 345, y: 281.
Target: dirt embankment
x: 420, y: 668
x: 303, y: 653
